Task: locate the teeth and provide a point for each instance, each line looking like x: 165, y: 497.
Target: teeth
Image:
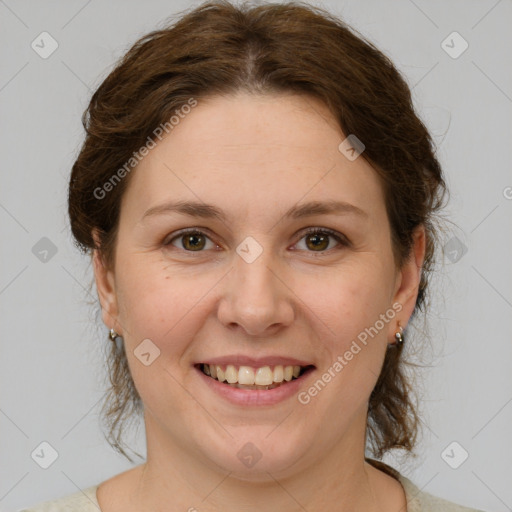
x: 220, y: 374
x: 278, y: 373
x: 231, y: 374
x: 248, y: 376
x: 264, y: 376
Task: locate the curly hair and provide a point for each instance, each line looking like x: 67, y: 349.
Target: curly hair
x: 219, y: 49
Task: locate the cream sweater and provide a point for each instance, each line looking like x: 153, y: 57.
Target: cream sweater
x: 417, y: 500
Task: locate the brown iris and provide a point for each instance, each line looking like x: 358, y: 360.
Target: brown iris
x: 190, y: 241
x: 320, y: 241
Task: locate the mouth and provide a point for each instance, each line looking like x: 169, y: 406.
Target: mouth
x: 248, y: 377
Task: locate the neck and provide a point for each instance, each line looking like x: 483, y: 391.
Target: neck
x: 175, y: 475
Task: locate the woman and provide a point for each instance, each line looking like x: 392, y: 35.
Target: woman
x: 259, y: 200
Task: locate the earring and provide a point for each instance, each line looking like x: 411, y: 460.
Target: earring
x: 399, y: 336
x: 113, y: 335
x: 117, y: 339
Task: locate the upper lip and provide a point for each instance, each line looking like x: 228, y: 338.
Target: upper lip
x: 255, y: 362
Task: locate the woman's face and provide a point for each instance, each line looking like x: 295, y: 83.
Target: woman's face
x: 256, y: 172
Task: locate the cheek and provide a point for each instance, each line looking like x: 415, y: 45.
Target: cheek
x: 358, y: 314
x: 353, y: 301
x: 165, y: 310
x: 162, y: 306
x: 353, y: 354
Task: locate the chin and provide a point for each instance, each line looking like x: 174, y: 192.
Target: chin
x: 253, y: 453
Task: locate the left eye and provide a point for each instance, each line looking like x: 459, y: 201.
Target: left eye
x: 317, y: 239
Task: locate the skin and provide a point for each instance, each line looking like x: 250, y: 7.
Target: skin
x: 254, y: 157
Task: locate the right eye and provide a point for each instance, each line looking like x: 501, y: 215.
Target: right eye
x: 191, y: 240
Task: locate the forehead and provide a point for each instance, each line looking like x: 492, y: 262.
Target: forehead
x: 270, y: 151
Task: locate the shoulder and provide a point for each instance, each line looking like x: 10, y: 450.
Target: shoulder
x: 80, y: 501
x: 420, y: 501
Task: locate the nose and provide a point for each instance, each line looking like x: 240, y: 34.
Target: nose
x: 256, y: 298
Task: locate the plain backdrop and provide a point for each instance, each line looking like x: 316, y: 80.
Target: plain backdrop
x: 52, y: 370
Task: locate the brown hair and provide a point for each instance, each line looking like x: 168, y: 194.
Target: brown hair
x: 219, y: 48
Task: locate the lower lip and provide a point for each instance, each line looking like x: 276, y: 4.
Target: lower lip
x: 255, y: 396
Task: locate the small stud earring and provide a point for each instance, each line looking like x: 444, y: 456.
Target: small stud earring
x: 113, y: 335
x: 116, y: 338
x: 399, y: 336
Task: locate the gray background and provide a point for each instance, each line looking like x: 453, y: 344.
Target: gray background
x: 52, y: 373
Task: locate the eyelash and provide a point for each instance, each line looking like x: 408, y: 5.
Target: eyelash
x: 309, y: 231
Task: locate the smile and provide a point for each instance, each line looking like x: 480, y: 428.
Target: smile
x: 247, y: 377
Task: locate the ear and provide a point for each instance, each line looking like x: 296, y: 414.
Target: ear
x: 105, y: 284
x: 408, y: 279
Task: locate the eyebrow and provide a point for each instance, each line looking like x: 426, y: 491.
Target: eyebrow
x: 208, y: 211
